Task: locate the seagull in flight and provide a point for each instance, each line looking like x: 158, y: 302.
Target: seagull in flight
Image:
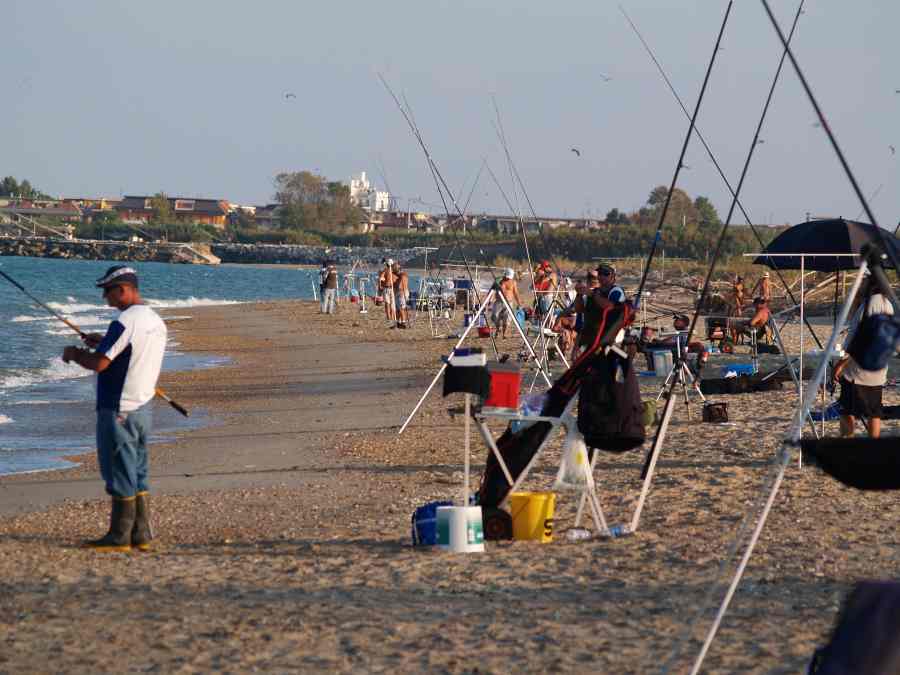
x: 892, y: 149
x: 290, y: 95
x: 605, y: 78
x: 576, y: 151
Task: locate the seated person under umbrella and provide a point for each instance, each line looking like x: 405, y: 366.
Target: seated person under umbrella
x: 757, y: 324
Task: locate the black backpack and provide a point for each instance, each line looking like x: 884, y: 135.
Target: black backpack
x: 610, y: 414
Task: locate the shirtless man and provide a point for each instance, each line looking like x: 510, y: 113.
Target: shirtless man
x: 401, y: 294
x: 510, y: 290
x: 763, y: 288
x: 386, y: 287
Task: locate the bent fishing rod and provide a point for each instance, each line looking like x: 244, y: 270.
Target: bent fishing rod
x: 159, y: 392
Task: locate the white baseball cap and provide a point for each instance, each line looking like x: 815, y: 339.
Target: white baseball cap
x: 509, y: 273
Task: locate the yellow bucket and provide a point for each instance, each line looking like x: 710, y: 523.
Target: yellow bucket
x: 532, y: 515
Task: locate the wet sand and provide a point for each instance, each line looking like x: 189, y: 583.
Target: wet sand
x: 283, y: 531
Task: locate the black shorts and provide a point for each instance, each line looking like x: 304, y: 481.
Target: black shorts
x: 859, y: 400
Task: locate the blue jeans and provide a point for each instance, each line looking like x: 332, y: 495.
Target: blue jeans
x: 329, y: 297
x: 122, y: 450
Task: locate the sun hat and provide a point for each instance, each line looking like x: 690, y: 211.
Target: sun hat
x: 766, y: 275
x: 116, y: 275
x: 605, y: 269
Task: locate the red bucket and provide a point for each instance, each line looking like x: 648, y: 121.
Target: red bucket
x: 484, y: 331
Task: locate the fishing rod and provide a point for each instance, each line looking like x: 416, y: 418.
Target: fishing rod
x: 82, y: 334
x: 662, y: 216
x: 886, y: 250
x: 651, y: 456
x: 781, y: 465
x: 715, y: 162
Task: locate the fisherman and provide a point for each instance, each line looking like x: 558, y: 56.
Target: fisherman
x: 544, y: 286
x: 509, y: 289
x: 862, y: 390
x: 386, y: 288
x: 127, y: 361
x: 329, y: 290
x: 603, y: 293
x: 764, y: 288
x: 401, y: 295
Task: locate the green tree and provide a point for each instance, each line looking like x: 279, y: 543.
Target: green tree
x: 161, y: 209
x: 616, y: 217
x: 310, y: 202
x: 708, y: 217
x: 9, y: 187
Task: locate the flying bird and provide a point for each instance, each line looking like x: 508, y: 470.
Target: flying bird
x: 892, y: 149
x: 605, y: 78
x: 576, y: 151
x: 290, y: 95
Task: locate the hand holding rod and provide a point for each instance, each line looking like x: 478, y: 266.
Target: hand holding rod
x: 159, y: 392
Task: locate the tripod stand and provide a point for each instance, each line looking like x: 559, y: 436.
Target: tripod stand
x: 682, y: 372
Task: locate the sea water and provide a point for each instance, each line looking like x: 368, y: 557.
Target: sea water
x: 46, y: 406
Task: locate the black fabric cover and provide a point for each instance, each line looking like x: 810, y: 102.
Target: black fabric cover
x: 825, y: 236
x: 467, y: 380
x: 610, y: 415
x: 862, y: 463
x: 742, y: 384
x: 866, y: 637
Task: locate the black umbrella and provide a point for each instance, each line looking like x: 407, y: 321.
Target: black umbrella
x: 824, y: 237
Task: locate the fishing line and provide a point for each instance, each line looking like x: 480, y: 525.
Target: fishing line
x: 439, y: 180
x: 159, y: 392
x: 662, y: 217
x: 886, y: 250
x: 772, y: 263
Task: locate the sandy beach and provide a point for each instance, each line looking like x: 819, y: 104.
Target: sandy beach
x: 283, y: 531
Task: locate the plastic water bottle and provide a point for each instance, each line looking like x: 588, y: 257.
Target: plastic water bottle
x: 578, y: 534
x: 618, y: 531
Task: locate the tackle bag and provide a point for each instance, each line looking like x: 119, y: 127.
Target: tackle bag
x: 875, y: 341
x: 716, y: 413
x: 424, y: 524
x: 610, y: 411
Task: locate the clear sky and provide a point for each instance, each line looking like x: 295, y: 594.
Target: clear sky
x: 102, y: 98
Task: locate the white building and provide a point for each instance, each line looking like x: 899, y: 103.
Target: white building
x: 363, y: 195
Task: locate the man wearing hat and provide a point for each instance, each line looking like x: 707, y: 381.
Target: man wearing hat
x: 127, y: 360
x: 763, y: 288
x: 608, y: 287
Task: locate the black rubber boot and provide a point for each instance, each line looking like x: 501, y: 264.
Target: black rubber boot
x: 141, y: 533
x: 121, y: 522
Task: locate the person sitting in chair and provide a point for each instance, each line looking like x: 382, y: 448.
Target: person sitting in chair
x: 758, y: 324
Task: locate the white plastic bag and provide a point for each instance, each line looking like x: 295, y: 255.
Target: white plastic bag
x: 575, y: 469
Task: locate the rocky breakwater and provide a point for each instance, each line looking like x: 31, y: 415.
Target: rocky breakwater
x: 307, y: 255
x: 48, y: 247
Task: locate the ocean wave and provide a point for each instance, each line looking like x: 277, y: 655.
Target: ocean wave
x: 75, y: 307
x: 190, y: 302
x: 55, y: 371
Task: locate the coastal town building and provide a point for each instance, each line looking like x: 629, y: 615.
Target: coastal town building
x: 139, y: 209
x: 366, y: 197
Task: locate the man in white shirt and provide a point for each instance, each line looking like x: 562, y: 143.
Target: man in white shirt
x: 861, y: 390
x: 127, y: 361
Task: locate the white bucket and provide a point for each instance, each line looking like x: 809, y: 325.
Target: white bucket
x: 662, y: 363
x: 459, y: 529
